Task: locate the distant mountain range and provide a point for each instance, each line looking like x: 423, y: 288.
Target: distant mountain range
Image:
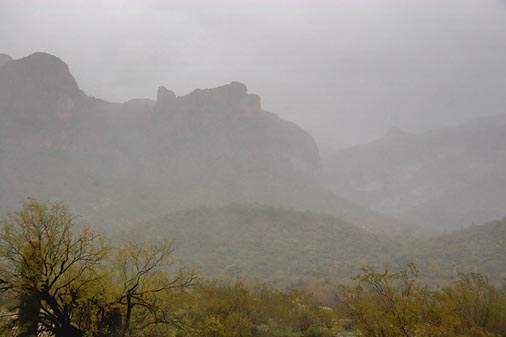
x: 119, y: 163
x: 448, y: 178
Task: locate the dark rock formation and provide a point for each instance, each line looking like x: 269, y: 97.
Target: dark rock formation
x: 165, y: 97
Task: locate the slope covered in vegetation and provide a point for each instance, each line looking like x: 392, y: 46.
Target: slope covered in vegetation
x: 479, y: 249
x: 57, y: 279
x: 266, y: 242
x: 288, y: 246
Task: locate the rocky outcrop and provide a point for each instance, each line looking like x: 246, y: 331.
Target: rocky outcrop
x: 38, y: 75
x: 228, y: 122
x: 165, y: 98
x: 232, y: 98
x: 37, y: 95
x: 4, y: 59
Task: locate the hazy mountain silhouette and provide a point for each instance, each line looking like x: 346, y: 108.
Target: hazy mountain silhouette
x: 4, y: 58
x: 127, y: 162
x: 448, y: 178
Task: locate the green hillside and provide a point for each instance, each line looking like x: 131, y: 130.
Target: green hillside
x: 480, y: 249
x: 287, y: 246
x: 265, y: 242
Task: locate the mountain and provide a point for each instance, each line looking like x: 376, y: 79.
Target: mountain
x: 4, y: 58
x: 448, y: 178
x: 479, y: 249
x: 128, y: 162
x: 280, y: 245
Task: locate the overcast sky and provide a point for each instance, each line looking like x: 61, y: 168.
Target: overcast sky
x: 345, y: 70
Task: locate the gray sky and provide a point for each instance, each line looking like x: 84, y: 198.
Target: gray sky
x: 345, y: 70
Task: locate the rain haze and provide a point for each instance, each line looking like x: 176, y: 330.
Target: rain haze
x: 252, y: 168
x: 346, y: 71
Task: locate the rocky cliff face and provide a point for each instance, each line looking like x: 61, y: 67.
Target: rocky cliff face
x: 39, y: 98
x: 212, y: 146
x: 4, y: 58
x: 38, y: 95
x: 227, y: 122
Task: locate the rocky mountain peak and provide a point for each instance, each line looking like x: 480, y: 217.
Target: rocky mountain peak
x: 395, y: 132
x: 40, y: 72
x: 232, y: 98
x: 165, y: 96
x: 233, y: 89
x: 4, y: 59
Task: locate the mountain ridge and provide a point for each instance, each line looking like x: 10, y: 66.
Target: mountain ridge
x: 447, y: 177
x: 124, y: 162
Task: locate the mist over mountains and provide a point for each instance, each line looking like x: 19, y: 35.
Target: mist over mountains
x: 447, y: 178
x: 212, y: 169
x: 282, y: 168
x: 128, y: 162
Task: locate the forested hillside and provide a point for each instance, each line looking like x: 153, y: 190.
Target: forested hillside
x: 283, y: 246
x: 479, y: 249
x: 291, y: 247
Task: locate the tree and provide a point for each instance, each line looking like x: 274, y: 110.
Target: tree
x: 387, y: 304
x: 146, y: 285
x: 50, y: 265
x: 392, y: 304
x: 479, y: 308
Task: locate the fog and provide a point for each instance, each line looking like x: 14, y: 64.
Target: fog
x: 255, y: 168
x: 344, y: 70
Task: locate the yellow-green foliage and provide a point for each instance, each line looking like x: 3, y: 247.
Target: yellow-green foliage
x: 81, y: 285
x: 393, y: 304
x: 228, y: 309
